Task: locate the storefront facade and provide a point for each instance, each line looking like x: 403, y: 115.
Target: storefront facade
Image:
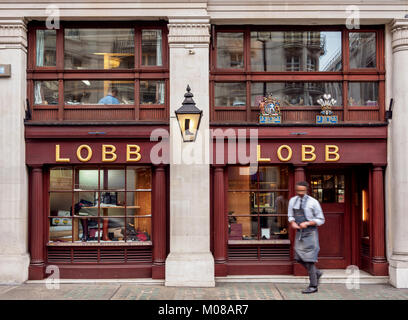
x: 93, y: 194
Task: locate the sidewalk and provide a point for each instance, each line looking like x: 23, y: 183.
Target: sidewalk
x: 223, y: 291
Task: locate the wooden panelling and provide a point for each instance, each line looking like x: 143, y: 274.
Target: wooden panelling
x: 44, y: 115
x: 99, y: 114
x: 332, y: 232
x: 228, y: 116
x: 153, y: 114
x: 365, y: 115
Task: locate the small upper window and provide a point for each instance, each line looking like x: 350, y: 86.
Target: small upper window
x: 230, y: 50
x: 46, y: 43
x: 152, y: 48
x: 362, y: 50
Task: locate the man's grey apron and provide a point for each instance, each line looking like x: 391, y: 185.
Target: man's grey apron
x: 307, y: 240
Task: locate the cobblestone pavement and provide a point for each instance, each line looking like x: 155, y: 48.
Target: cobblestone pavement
x: 222, y: 291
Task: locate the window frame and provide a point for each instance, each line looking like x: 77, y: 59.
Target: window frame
x: 346, y: 75
x: 136, y: 74
x: 75, y: 173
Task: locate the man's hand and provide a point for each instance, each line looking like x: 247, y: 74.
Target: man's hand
x: 294, y: 225
x: 303, y: 225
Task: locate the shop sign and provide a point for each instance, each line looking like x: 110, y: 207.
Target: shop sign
x: 308, y: 153
x: 84, y: 153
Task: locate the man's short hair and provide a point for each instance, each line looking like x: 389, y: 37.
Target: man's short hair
x: 115, y: 90
x: 302, y: 184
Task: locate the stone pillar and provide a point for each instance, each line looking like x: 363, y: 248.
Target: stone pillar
x: 190, y: 262
x: 14, y: 258
x: 37, y: 265
x: 220, y: 223
x: 379, y: 265
x: 398, y: 269
x: 159, y: 222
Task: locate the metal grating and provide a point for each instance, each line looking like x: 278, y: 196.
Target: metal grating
x: 275, y: 253
x: 117, y: 255
x: 59, y: 255
x: 138, y: 255
x: 243, y: 253
x: 265, y: 253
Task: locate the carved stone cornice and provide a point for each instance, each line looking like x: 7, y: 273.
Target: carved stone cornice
x: 399, y: 30
x: 13, y: 34
x: 189, y: 32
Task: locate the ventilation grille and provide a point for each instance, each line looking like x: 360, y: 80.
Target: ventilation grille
x: 257, y: 253
x: 117, y: 255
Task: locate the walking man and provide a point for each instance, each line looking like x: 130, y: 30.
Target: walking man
x: 305, y: 215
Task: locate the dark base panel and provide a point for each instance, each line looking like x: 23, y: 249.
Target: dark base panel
x: 379, y: 268
x: 257, y: 268
x: 221, y: 269
x: 158, y: 272
x: 36, y: 272
x: 106, y: 271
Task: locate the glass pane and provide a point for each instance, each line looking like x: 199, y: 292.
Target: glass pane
x: 139, y: 178
x: 242, y: 228
x: 242, y: 203
x: 363, y: 93
x: 273, y: 177
x: 328, y: 188
x: 61, y: 179
x: 296, y: 51
x: 46, y: 92
x: 61, y: 223
x: 230, y: 50
x: 46, y: 44
x: 152, y: 48
x: 60, y: 229
x: 230, y: 94
x: 114, y: 179
x: 297, y: 93
x: 86, y: 204
x: 86, y: 229
x: 152, y: 92
x: 98, y: 92
x: 362, y: 50
x: 273, y: 202
x: 239, y: 179
x: 87, y: 179
x: 138, y: 229
x: 139, y: 203
x: 110, y: 199
x: 99, y: 48
x: 274, y: 227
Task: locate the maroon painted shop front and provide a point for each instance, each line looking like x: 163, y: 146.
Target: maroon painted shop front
x: 98, y: 205
x: 345, y: 169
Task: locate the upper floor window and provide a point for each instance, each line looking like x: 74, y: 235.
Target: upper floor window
x: 297, y: 66
x: 84, y: 71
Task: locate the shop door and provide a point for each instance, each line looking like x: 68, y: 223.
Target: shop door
x: 331, y: 190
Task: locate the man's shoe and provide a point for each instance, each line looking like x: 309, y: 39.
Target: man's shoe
x: 310, y: 290
x: 319, y: 274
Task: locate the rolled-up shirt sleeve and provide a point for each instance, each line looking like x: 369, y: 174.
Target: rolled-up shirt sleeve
x: 318, y: 216
x: 291, y: 217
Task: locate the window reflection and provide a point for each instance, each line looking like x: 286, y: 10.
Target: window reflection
x: 98, y: 92
x: 46, y: 46
x: 362, y: 50
x: 296, y: 51
x: 99, y: 48
x: 363, y: 93
x: 231, y: 94
x: 152, y: 48
x: 296, y: 93
x: 230, y: 50
x: 151, y: 92
x: 46, y: 92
